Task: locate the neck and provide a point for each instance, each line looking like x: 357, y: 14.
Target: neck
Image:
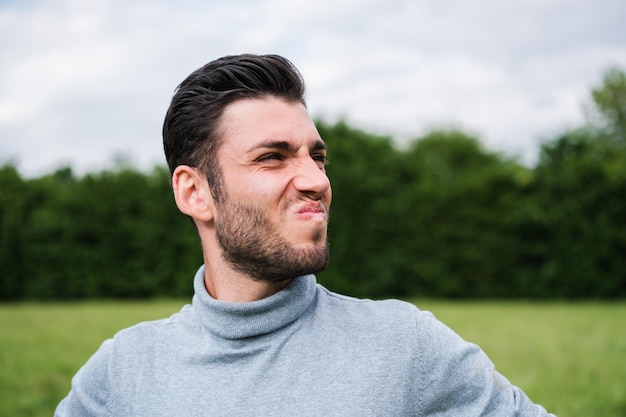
x: 224, y: 283
x: 234, y: 287
x: 243, y: 320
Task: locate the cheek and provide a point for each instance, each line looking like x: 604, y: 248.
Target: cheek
x: 263, y: 191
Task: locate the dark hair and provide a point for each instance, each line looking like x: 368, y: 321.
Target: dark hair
x: 191, y: 130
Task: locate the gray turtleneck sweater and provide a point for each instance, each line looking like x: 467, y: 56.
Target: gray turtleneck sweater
x: 304, y: 351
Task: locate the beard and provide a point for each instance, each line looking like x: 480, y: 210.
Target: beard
x: 253, y: 245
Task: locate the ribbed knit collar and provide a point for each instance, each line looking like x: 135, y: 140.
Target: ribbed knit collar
x: 241, y: 320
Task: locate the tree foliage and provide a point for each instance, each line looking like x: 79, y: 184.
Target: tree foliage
x: 441, y: 218
x: 610, y: 102
x: 112, y: 234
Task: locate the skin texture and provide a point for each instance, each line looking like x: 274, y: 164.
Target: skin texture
x: 271, y: 226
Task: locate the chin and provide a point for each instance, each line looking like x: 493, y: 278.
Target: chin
x: 315, y: 237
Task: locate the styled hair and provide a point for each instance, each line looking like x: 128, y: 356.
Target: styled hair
x: 192, y: 134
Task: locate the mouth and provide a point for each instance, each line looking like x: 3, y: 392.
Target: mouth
x: 312, y: 211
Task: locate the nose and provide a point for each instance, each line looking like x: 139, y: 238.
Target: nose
x: 311, y: 179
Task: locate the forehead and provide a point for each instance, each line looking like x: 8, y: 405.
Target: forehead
x: 248, y: 122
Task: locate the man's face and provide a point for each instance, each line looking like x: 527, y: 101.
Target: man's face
x: 273, y: 220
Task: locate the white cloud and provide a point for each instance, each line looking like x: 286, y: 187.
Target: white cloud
x: 83, y: 81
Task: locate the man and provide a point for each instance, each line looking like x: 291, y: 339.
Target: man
x: 261, y: 338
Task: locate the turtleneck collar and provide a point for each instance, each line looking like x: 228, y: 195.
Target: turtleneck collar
x: 241, y: 320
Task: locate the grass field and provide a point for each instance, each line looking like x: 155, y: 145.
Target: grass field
x: 569, y: 357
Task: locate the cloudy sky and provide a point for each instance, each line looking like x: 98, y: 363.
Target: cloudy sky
x: 83, y: 82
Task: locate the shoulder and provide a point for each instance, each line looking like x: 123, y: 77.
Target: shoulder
x: 384, y: 306
x: 153, y: 334
x: 392, y: 313
x: 110, y: 373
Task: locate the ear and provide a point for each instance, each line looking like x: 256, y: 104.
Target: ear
x: 192, y: 194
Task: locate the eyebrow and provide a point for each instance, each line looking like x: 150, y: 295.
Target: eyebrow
x: 286, y: 146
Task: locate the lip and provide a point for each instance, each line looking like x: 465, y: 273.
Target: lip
x: 313, y: 210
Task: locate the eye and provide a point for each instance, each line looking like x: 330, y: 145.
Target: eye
x: 320, y: 158
x: 269, y: 157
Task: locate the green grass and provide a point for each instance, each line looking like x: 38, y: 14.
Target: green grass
x: 43, y: 345
x: 569, y: 357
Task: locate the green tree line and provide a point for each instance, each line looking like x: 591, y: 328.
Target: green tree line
x: 442, y: 217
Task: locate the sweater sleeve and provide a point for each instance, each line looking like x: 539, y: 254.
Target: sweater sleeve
x: 90, y: 387
x: 458, y: 379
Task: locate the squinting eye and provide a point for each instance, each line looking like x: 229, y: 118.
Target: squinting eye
x: 321, y: 159
x: 271, y: 157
